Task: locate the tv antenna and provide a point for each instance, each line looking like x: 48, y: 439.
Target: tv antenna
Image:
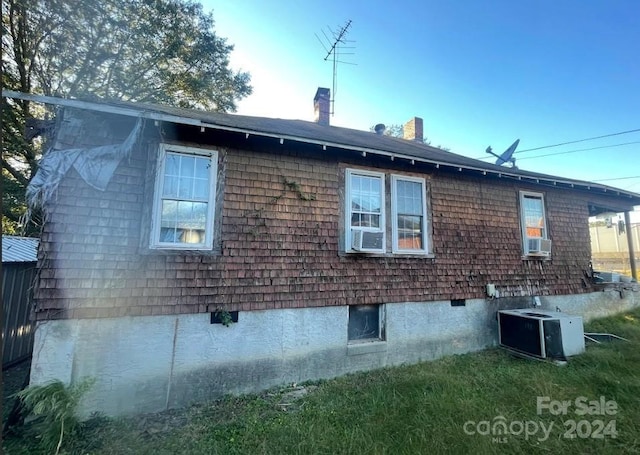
x: 334, y: 43
x: 507, y: 155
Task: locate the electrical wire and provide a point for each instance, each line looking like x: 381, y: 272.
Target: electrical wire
x: 580, y: 140
x: 618, y: 178
x: 579, y: 150
x: 568, y: 142
x: 569, y: 151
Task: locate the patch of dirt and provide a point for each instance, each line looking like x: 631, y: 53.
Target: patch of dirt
x: 156, y: 425
x: 153, y: 425
x: 290, y: 399
x: 149, y: 425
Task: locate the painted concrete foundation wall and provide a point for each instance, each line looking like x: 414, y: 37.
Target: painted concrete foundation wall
x: 151, y: 363
x: 596, y: 304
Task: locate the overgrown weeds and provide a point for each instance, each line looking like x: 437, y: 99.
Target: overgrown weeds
x: 54, y: 406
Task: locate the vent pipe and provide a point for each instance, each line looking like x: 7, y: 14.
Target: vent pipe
x: 379, y: 129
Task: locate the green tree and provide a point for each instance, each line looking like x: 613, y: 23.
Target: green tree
x: 161, y: 51
x: 392, y: 130
x: 398, y: 131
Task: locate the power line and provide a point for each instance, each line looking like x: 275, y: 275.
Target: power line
x: 580, y: 140
x: 579, y: 150
x: 569, y: 151
x: 566, y: 143
x: 618, y: 178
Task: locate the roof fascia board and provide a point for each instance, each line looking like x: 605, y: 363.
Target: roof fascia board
x: 152, y: 115
x: 106, y: 108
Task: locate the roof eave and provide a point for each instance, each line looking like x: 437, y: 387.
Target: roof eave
x: 159, y: 116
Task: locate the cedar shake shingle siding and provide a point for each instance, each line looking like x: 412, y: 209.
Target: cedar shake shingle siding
x: 198, y: 211
x: 278, y: 238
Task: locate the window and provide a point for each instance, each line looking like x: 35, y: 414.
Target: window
x: 408, y: 204
x: 534, y: 225
x: 365, y: 323
x: 365, y: 211
x: 366, y: 226
x: 184, y: 198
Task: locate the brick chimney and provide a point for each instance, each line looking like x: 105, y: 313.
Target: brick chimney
x: 413, y: 130
x: 321, y: 106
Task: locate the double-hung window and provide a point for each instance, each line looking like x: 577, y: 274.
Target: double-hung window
x: 184, y: 198
x: 368, y: 197
x: 408, y: 204
x: 365, y: 214
x: 534, y: 224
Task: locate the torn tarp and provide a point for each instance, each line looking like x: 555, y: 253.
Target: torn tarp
x: 96, y: 166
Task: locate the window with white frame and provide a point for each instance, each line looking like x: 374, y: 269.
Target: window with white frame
x: 184, y: 198
x: 409, y: 212
x: 365, y: 211
x: 534, y: 224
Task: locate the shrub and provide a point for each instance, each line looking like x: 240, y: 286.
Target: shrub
x: 54, y: 403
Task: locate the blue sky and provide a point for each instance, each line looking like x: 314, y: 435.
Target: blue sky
x: 479, y: 73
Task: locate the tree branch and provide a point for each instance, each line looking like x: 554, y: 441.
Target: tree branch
x: 22, y: 180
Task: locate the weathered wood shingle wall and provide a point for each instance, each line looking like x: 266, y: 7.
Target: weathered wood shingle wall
x: 279, y: 232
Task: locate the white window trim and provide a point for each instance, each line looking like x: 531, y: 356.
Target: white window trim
x: 394, y: 214
x: 523, y: 222
x: 348, y: 227
x: 157, y: 198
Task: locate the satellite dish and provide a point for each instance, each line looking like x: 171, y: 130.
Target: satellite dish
x: 507, y: 155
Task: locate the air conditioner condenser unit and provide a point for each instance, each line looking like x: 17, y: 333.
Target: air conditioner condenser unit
x: 541, y: 333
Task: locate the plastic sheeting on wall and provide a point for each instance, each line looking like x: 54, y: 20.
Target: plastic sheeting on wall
x: 96, y: 166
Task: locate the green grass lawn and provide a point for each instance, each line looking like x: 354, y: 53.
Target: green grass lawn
x: 445, y: 406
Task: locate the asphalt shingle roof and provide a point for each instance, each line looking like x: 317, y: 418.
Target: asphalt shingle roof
x: 346, y: 138
x: 332, y: 137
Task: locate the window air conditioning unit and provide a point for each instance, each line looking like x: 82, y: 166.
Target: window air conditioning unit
x: 538, y: 246
x: 541, y: 333
x: 366, y: 240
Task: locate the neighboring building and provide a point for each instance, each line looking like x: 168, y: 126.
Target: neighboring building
x: 340, y: 250
x: 610, y: 245
x: 19, y: 256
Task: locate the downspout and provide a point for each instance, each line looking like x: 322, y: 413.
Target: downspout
x: 632, y: 254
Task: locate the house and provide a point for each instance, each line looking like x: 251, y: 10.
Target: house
x: 19, y: 256
x: 610, y: 245
x: 335, y: 251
